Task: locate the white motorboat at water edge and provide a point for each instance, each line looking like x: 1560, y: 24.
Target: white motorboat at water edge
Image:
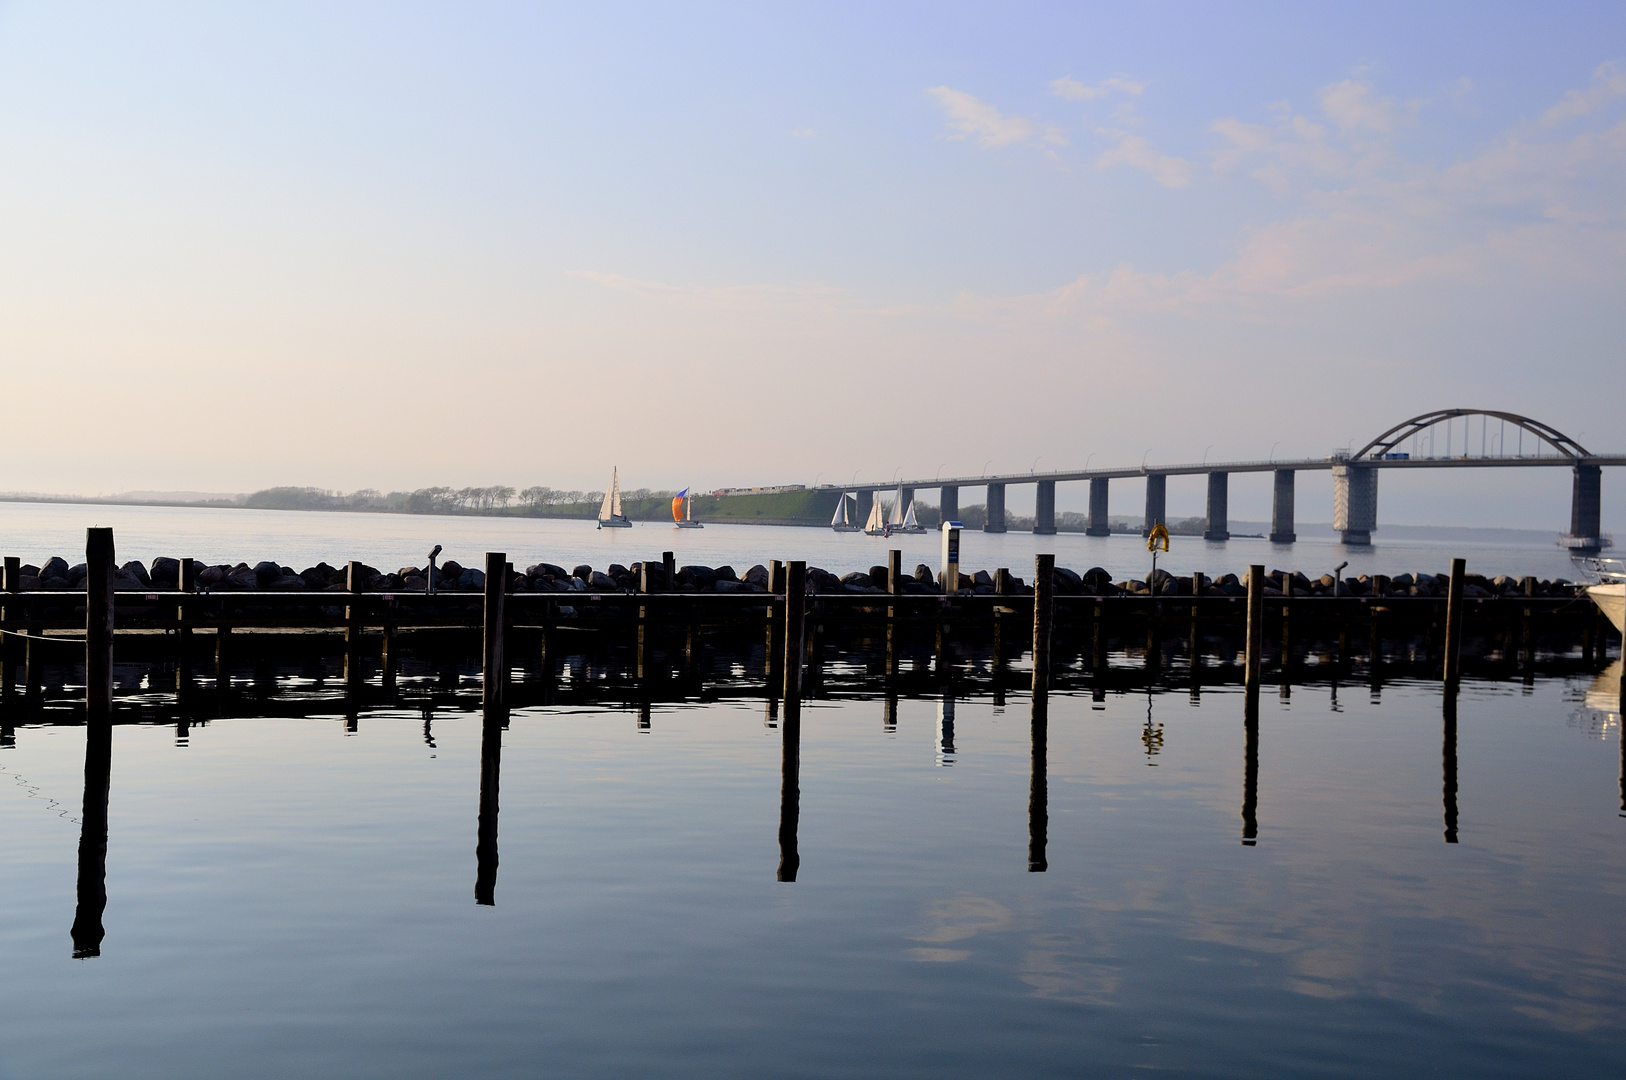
x: 683, y: 511
x: 903, y: 521
x: 842, y: 521
x: 609, y: 514
x: 876, y: 525
x: 1609, y: 588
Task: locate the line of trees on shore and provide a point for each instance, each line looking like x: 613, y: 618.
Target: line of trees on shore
x: 529, y: 502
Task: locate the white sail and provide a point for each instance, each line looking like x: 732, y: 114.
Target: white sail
x: 612, y: 498
x: 909, y: 521
x: 840, y: 517
x: 897, y: 508
x: 876, y: 525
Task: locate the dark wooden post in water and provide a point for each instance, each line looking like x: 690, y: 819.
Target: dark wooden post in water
x: 1453, y: 624
x: 1448, y: 759
x: 1044, y: 605
x: 1256, y: 626
x: 894, y: 589
x: 795, y: 618
x: 1198, y: 584
x: 98, y: 627
x: 1250, y: 767
x: 8, y: 649
x: 774, y: 663
x: 493, y: 663
x: 354, y: 584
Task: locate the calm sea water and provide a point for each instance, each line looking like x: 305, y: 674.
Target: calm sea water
x: 285, y: 899
x: 36, y: 531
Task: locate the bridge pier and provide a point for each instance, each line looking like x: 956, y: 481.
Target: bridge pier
x: 948, y: 502
x: 996, y: 509
x: 1044, y: 509
x: 1355, y: 503
x: 1219, y: 500
x: 1586, y: 509
x: 1281, y: 509
x: 1099, y: 524
x: 1157, y: 492
x: 904, y: 502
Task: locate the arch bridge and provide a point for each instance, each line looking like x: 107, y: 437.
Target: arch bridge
x: 1443, y: 438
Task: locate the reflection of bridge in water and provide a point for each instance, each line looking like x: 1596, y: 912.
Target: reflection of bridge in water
x: 1443, y: 439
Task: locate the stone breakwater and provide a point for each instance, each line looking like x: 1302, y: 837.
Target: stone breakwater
x: 268, y: 576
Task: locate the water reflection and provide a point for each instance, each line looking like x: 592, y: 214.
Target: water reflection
x: 1250, y: 767
x: 1448, y: 756
x: 493, y: 719
x: 1038, y: 790
x: 92, y: 886
x: 790, y: 792
x: 945, y: 729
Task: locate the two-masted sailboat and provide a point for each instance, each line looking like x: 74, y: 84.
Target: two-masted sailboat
x: 683, y: 511
x: 609, y: 514
x: 903, y: 520
x: 842, y: 521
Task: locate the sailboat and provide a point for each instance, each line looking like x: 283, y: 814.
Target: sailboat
x: 842, y: 521
x: 903, y: 521
x: 683, y: 511
x: 609, y: 514
x: 876, y: 525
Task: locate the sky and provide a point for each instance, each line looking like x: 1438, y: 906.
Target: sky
x: 396, y: 245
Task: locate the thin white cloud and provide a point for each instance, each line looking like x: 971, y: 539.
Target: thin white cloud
x: 1137, y: 152
x: 803, y: 133
x: 1072, y: 90
x: 976, y: 119
x: 1354, y: 107
x: 1608, y: 83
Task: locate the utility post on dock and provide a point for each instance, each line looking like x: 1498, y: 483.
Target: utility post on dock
x: 1044, y: 607
x: 99, y: 631
x: 1453, y: 625
x: 795, y: 618
x: 493, y: 664
x: 1256, y: 627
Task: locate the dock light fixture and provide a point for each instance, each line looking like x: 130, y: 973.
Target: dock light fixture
x: 429, y: 578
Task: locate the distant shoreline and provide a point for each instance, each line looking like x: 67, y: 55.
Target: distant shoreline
x: 1239, y: 530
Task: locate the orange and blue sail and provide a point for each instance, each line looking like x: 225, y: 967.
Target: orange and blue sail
x: 677, y: 505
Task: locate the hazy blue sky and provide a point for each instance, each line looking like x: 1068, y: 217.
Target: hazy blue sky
x: 395, y: 245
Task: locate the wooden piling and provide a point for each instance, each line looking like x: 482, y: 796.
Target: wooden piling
x: 11, y: 584
x: 774, y: 661
x: 493, y: 665
x: 354, y: 583
x: 1256, y: 626
x: 795, y: 620
x: 1044, y: 605
x: 99, y: 627
x: 1453, y: 624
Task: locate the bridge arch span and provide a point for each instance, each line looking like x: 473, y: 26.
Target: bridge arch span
x: 1562, y: 444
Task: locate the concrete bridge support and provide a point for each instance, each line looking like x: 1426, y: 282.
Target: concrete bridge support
x: 1219, y: 503
x: 1157, y: 497
x: 1099, y: 525
x: 948, y: 502
x: 1281, y: 509
x: 1586, y: 509
x: 908, y: 497
x: 1355, y: 503
x: 1044, y: 509
x: 996, y: 509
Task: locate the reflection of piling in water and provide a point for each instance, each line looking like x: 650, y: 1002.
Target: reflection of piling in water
x: 1448, y: 756
x: 92, y: 886
x: 945, y: 729
x: 1038, y: 793
x: 790, y: 792
x: 1250, y: 766
x: 493, y: 719
x: 889, y: 712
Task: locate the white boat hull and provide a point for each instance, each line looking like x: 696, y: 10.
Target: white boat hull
x: 614, y: 523
x: 1611, y: 600
x: 688, y: 525
x: 845, y: 528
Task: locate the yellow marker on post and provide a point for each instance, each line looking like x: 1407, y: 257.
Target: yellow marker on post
x: 1158, y: 535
